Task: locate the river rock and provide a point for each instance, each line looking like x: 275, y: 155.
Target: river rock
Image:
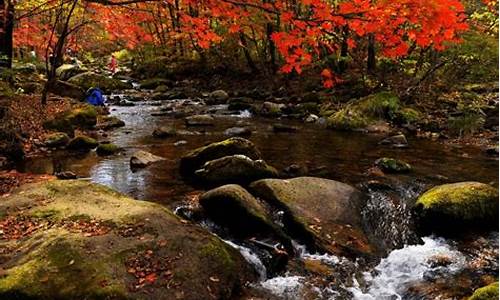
x: 82, y: 143
x: 66, y: 89
x: 241, y: 103
x: 107, y: 149
x: 66, y: 71
x: 90, y: 242
x: 110, y: 122
x: 284, y: 128
x: 195, y: 159
x: 219, y: 96
x: 235, y: 208
x: 452, y: 207
x: 235, y: 169
x: 153, y: 83
x: 391, y: 165
x: 489, y: 292
x: 398, y: 141
x: 56, y: 139
x: 311, y: 118
x: 164, y: 132
x: 84, y: 118
x: 238, y: 131
x: 89, y: 79
x: 271, y: 109
x: 142, y: 159
x: 200, y: 120
x: 324, y: 214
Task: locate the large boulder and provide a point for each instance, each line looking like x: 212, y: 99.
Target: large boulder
x: 82, y: 143
x: 235, y: 169
x: 66, y: 89
x: 453, y: 207
x: 235, y: 208
x: 195, y: 159
x: 142, y: 159
x: 324, y: 214
x: 489, y: 292
x: 78, y: 240
x: 89, y: 79
x: 66, y: 71
x: 84, y: 118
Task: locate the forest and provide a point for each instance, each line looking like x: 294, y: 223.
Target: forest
x: 249, y: 149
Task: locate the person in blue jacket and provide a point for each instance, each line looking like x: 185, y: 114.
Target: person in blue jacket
x: 95, y: 97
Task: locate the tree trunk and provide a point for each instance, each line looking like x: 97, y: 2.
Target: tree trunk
x: 371, y: 62
x: 248, y: 56
x: 6, y: 29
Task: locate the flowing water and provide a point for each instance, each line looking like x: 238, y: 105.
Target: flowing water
x: 407, y: 273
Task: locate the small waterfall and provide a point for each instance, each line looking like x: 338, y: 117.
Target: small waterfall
x: 251, y: 258
x: 393, y: 274
x: 284, y: 287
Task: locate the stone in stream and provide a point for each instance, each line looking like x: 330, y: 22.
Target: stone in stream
x: 241, y: 103
x: 457, y: 206
x: 56, y: 139
x: 238, y: 131
x: 391, y: 165
x: 82, y: 143
x: 324, y: 214
x: 164, y: 132
x: 84, y: 117
x: 88, y: 80
x: 235, y: 208
x: 66, y: 175
x: 109, y: 122
x: 311, y: 118
x: 107, y: 149
x: 398, y: 141
x: 489, y: 292
x: 284, y: 128
x: 234, y: 169
x: 91, y: 242
x: 142, y: 159
x: 154, y: 83
x: 218, y: 97
x: 271, y: 109
x: 195, y: 159
x: 200, y: 120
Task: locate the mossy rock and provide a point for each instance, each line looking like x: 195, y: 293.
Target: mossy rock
x: 391, y: 165
x: 110, y: 122
x: 453, y: 207
x: 489, y: 292
x: 107, y: 149
x: 56, y: 139
x: 323, y: 214
x: 89, y: 79
x: 195, y: 159
x: 234, y: 169
x: 84, y: 118
x: 362, y: 112
x: 82, y: 143
x: 407, y: 115
x: 235, y: 208
x: 60, y: 261
x: 153, y: 83
x: 66, y: 71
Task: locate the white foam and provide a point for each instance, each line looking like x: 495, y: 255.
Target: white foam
x: 251, y: 258
x: 404, y: 266
x: 284, y: 287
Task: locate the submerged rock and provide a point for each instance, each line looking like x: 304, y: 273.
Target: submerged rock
x: 91, y: 242
x: 238, y: 131
x: 391, y: 165
x: 200, y: 120
x: 324, y: 214
x: 82, y: 143
x: 398, y: 141
x: 107, y: 149
x: 164, y: 132
x: 235, y: 169
x: 57, y: 139
x: 284, y: 128
x: 195, y: 159
x: 452, y: 207
x: 142, y: 159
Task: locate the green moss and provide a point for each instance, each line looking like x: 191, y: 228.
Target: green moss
x: 84, y: 117
x: 82, y: 142
x: 489, y: 292
x: 462, y: 193
x: 347, y: 119
x: 215, y: 250
x: 88, y: 80
x: 408, y: 115
x: 107, y: 149
x: 393, y: 165
x: 56, y: 139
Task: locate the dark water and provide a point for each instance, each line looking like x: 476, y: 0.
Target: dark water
x: 344, y: 156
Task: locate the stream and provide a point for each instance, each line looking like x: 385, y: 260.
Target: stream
x: 436, y: 268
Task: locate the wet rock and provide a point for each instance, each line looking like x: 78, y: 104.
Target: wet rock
x: 242, y: 103
x: 107, y: 149
x: 235, y: 208
x: 195, y: 159
x: 65, y: 175
x: 452, y: 207
x: 271, y: 109
x: 66, y: 89
x: 88, y: 80
x: 142, y: 159
x: 200, y: 120
x: 153, y: 83
x: 391, y: 165
x: 103, y: 245
x: 180, y: 143
x: 323, y: 214
x: 125, y: 103
x: 398, y: 141
x: 83, y: 118
x: 66, y: 71
x: 295, y: 170
x: 110, y: 122
x: 164, y: 132
x: 311, y: 118
x: 82, y: 143
x: 238, y: 131
x: 235, y: 169
x: 219, y: 96
x: 57, y: 139
x: 284, y: 128
x: 489, y: 292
